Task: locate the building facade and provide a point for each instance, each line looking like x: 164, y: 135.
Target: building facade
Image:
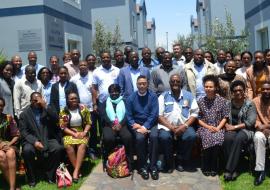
x: 257, y: 16
x: 151, y: 34
x: 48, y: 27
x: 141, y: 24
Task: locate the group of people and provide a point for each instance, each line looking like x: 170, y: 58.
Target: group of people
x: 155, y: 106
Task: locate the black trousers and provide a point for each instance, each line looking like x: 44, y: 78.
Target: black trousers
x: 109, y: 140
x: 48, y: 163
x: 93, y: 133
x: 233, y: 144
x: 147, y: 147
x: 210, y: 159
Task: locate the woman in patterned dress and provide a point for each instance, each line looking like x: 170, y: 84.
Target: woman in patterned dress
x: 213, y: 115
x: 75, y: 122
x: 9, y: 135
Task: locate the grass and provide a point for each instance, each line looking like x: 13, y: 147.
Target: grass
x: 87, y: 167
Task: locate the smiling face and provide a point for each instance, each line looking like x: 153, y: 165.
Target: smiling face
x: 230, y: 67
x: 72, y: 100
x: 142, y: 85
x: 32, y: 58
x: 8, y: 71
x: 266, y: 91
x: 238, y: 93
x: 210, y: 88
x: 17, y: 62
x: 175, y: 83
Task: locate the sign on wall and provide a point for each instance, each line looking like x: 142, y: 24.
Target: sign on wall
x: 55, y: 33
x: 30, y: 40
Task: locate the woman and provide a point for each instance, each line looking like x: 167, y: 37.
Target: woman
x: 227, y: 78
x: 66, y: 57
x: 240, y: 128
x: 229, y: 56
x: 91, y: 60
x: 6, y: 86
x: 267, y: 56
x: 9, y: 135
x: 75, y: 122
x: 209, y: 56
x: 257, y: 75
x: 45, y: 76
x: 113, y: 112
x: 246, y: 59
x: 213, y: 115
x: 61, y: 89
x: 237, y: 59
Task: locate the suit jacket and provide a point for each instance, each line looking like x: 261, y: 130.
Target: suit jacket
x: 6, y: 93
x: 125, y: 80
x: 31, y: 132
x: 54, y: 101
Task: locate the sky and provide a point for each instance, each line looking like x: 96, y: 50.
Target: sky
x: 172, y: 16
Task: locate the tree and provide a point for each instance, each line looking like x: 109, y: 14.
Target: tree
x: 117, y: 42
x: 185, y: 41
x: 2, y: 56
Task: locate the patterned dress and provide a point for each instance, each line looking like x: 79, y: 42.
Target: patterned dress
x: 64, y: 122
x: 212, y: 111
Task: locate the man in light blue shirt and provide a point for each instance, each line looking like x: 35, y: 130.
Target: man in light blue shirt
x: 146, y: 60
x: 32, y: 58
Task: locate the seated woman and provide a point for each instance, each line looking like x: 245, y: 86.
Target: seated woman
x: 240, y: 128
x: 75, y: 122
x: 213, y: 115
x: 9, y: 135
x: 113, y: 113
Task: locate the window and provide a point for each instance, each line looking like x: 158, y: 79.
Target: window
x: 73, y: 41
x: 74, y: 3
x: 264, y: 40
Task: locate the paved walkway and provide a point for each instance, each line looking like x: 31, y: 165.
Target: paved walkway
x: 99, y: 180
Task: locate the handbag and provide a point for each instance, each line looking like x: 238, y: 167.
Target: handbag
x: 63, y: 177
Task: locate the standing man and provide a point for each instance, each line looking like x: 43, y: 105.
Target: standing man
x: 127, y: 51
x: 221, y: 62
x: 146, y: 60
x: 178, y: 58
x: 188, y: 53
x: 262, y: 138
x: 36, y: 121
x: 128, y: 75
x: 195, y: 71
x: 142, y: 113
x: 178, y: 111
x: 119, y: 59
x: 54, y: 66
x: 159, y: 54
x: 23, y: 89
x: 16, y: 60
x: 32, y: 59
x: 73, y: 65
x: 160, y: 76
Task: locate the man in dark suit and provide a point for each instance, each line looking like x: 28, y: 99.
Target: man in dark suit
x: 36, y: 122
x: 128, y: 75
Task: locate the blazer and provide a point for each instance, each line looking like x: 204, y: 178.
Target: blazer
x: 54, y: 101
x: 125, y: 80
x: 6, y: 93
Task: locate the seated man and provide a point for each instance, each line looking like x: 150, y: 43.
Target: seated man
x: 178, y: 111
x: 142, y: 113
x: 262, y: 126
x: 35, y: 126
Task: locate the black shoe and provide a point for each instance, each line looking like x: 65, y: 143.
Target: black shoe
x: 179, y: 168
x: 154, y: 175
x: 75, y: 180
x: 227, y: 176
x: 144, y: 173
x: 260, y: 178
x: 213, y: 173
x: 51, y: 181
x: 235, y: 175
x: 32, y: 184
x: 206, y: 173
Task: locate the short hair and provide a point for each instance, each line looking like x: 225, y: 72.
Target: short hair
x: 3, y: 65
x: 266, y: 51
x: 89, y: 55
x: 54, y: 56
x: 29, y: 67
x: 65, y: 55
x: 247, y: 52
x: 142, y: 77
x: 33, y: 93
x: 237, y: 83
x: 212, y: 56
x: 3, y: 100
x: 118, y: 50
x: 212, y: 78
x: 62, y: 67
x: 103, y: 52
x: 40, y: 71
x: 177, y: 44
x: 231, y: 53
x: 258, y: 51
x: 71, y: 92
x: 115, y: 87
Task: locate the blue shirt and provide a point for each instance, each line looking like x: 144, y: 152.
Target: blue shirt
x: 62, y: 96
x: 134, y: 75
x: 152, y: 65
x: 200, y: 73
x: 37, y: 67
x: 47, y: 92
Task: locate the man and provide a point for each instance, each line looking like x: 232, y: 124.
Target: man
x: 146, y: 60
x: 16, y: 60
x: 54, y: 65
x: 142, y: 113
x: 178, y: 58
x: 195, y: 71
x: 32, y: 58
x: 23, y: 89
x: 178, y: 111
x: 160, y: 76
x: 159, y: 54
x: 262, y: 126
x: 36, y: 121
x: 119, y: 59
x: 83, y: 81
x: 128, y: 75
x: 221, y: 62
x: 188, y: 53
x: 73, y: 65
x: 127, y: 51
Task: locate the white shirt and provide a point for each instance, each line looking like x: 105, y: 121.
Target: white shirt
x: 84, y: 86
x: 103, y: 78
x: 76, y: 119
x: 242, y: 71
x: 180, y: 62
x: 220, y: 67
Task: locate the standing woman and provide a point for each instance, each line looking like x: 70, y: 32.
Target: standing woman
x: 267, y: 56
x: 75, y: 122
x: 213, y: 116
x: 6, y: 86
x: 257, y: 75
x: 45, y: 76
x: 9, y: 135
x: 246, y: 59
x: 209, y: 57
x: 61, y: 89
